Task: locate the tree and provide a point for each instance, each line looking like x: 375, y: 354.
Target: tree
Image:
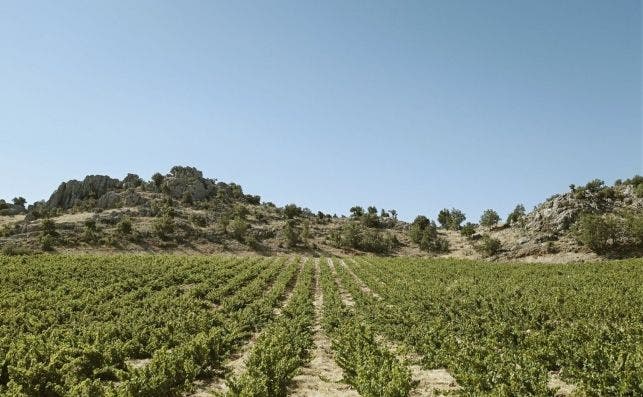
x: 489, y: 218
x: 291, y: 211
x: 393, y: 214
x: 20, y: 201
x: 451, y: 219
x: 372, y: 210
x: 291, y: 233
x: 489, y: 246
x: 517, y: 215
x: 468, y: 230
x: 424, y: 233
x: 444, y: 216
x: 357, y: 212
x: 238, y: 228
x: 157, y: 179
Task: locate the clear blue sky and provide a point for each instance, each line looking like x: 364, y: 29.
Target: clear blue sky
x: 402, y: 104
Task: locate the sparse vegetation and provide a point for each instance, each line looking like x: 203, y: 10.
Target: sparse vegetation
x: 611, y: 233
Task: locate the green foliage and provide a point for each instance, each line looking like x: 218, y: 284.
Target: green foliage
x: 488, y: 245
x: 291, y: 211
x: 187, y: 198
x: 19, y: 201
x: 238, y: 228
x: 356, y: 236
x: 468, y: 230
x: 517, y: 216
x: 197, y: 219
x: 424, y: 233
x: 611, y: 233
x: 158, y: 179
x: 370, y: 368
x: 163, y: 226
x: 489, y: 218
x: 501, y: 328
x: 451, y: 219
x: 124, y: 226
x: 291, y: 233
x: 356, y: 212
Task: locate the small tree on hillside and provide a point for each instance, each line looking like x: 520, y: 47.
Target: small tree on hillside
x: 451, y: 219
x: 357, y: 211
x: 20, y: 201
x: 489, y: 218
x: 517, y: 215
x: 291, y: 233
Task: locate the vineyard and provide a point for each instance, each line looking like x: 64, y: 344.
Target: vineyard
x: 168, y: 325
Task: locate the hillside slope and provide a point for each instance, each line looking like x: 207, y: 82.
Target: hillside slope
x: 183, y: 211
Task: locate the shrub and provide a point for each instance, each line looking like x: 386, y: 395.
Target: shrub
x: 356, y: 212
x: 47, y: 242
x: 20, y: 201
x: 451, y: 219
x: 238, y: 228
x: 124, y: 227
x: 613, y: 233
x: 197, y: 219
x: 516, y: 216
x: 163, y: 226
x: 49, y: 228
x: 187, y: 198
x: 291, y: 211
x: 291, y: 233
x: 424, y: 233
x: 157, y: 179
x: 489, y: 218
x: 356, y: 236
x: 468, y: 230
x: 489, y: 246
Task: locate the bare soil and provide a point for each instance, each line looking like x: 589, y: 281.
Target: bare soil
x: 322, y: 376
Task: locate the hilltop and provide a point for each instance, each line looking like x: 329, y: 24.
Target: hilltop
x: 183, y: 211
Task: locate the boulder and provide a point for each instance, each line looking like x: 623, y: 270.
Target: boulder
x: 73, y: 192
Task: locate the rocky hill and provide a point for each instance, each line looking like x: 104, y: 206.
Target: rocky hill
x: 183, y: 211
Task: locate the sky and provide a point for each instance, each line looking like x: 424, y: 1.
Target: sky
x: 406, y: 105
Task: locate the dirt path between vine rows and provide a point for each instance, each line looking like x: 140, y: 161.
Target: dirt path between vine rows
x: 236, y: 363
x: 427, y: 382
x: 321, y: 377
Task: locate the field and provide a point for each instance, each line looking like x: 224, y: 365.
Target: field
x: 143, y: 325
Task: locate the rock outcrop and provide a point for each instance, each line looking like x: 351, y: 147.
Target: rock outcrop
x: 558, y: 213
x: 182, y: 181
x: 74, y: 192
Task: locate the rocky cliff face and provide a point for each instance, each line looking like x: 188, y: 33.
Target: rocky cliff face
x: 182, y: 181
x: 558, y: 213
x: 73, y: 192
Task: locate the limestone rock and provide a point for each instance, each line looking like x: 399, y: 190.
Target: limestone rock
x: 73, y: 192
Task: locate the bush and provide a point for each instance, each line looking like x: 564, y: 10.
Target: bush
x: 291, y: 211
x: 124, y: 227
x: 424, y: 233
x: 489, y: 246
x: 489, y: 218
x: 451, y: 219
x: 517, y: 216
x: 163, y: 226
x: 613, y: 233
x: 291, y: 233
x: 356, y: 236
x: 468, y: 230
x: 238, y: 228
x: 197, y: 219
